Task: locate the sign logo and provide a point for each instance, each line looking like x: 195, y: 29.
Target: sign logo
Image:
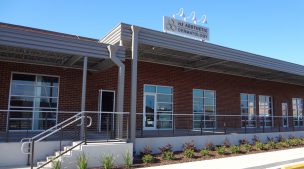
x: 184, y: 28
x: 171, y: 25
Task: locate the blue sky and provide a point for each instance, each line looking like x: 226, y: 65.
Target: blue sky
x: 273, y: 28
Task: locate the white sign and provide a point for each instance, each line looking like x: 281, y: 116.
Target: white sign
x: 179, y: 27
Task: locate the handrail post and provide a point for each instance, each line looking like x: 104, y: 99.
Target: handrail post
x: 107, y: 120
x: 173, y: 125
x: 85, y: 128
x: 201, y: 125
x: 263, y: 124
x: 142, y: 126
x: 246, y: 125
x: 32, y: 153
x: 61, y: 135
x: 8, y: 126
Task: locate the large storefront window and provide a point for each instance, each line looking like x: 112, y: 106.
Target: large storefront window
x: 33, y: 102
x: 297, y: 112
x: 265, y: 111
x: 248, y: 110
x: 158, y: 107
x: 204, y: 109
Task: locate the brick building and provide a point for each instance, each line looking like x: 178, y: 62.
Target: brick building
x: 167, y: 83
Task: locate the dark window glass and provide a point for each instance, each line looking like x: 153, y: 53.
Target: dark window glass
x: 15, y: 114
x: 24, y: 79
x: 20, y: 125
x: 48, y: 81
x: 21, y: 101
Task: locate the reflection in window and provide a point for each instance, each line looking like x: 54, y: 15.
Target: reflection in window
x: 248, y: 110
x: 204, y: 104
x: 297, y: 112
x: 33, y: 102
x: 265, y: 111
x: 164, y: 104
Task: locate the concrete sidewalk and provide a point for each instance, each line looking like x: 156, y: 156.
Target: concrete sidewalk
x: 265, y: 160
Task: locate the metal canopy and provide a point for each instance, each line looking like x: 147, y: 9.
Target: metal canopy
x: 35, y: 46
x: 163, y: 48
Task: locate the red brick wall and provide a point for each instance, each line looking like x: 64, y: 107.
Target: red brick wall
x: 227, y: 87
x: 69, y: 89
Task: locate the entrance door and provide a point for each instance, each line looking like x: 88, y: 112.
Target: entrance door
x: 284, y: 115
x: 106, y: 106
x: 149, y: 117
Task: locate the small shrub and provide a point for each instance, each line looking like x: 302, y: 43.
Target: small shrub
x: 210, y: 146
x: 265, y: 146
x: 298, y: 141
x: 270, y: 139
x: 168, y: 155
x: 272, y: 145
x: 146, y: 150
x: 280, y: 138
x: 243, y: 141
x: 291, y: 137
x: 82, y: 162
x: 227, y: 142
x: 235, y: 149
x: 220, y: 150
x: 245, y: 148
x: 258, y: 145
x: 302, y: 141
x: 165, y: 148
x: 189, y: 145
x: 189, y: 153
x: 281, y: 144
x: 128, y: 159
x: 294, y: 142
x: 107, y: 161
x: 255, y: 139
x: 56, y: 164
x: 147, y: 158
x: 204, y: 152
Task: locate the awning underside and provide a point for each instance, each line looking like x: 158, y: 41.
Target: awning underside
x: 191, y: 61
x: 32, y: 56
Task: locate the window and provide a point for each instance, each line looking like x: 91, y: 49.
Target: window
x: 265, y: 111
x: 297, y: 112
x: 204, y: 109
x: 248, y: 110
x: 33, y: 102
x: 284, y: 114
x: 161, y: 96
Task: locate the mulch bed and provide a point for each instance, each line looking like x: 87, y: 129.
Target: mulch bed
x: 179, y: 158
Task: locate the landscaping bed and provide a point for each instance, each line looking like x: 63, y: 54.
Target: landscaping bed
x: 210, y: 151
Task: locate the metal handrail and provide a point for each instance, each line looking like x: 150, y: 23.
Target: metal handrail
x: 31, y: 141
x: 219, y: 115
x: 22, y: 147
x: 56, y: 126
x: 64, y: 152
x: 54, y: 131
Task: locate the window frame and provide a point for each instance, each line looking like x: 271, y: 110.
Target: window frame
x: 31, y: 109
x: 247, y: 114
x: 264, y: 116
x: 298, y: 120
x: 156, y: 106
x: 204, y: 113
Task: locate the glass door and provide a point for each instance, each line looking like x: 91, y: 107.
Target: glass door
x: 106, y: 106
x: 149, y: 116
